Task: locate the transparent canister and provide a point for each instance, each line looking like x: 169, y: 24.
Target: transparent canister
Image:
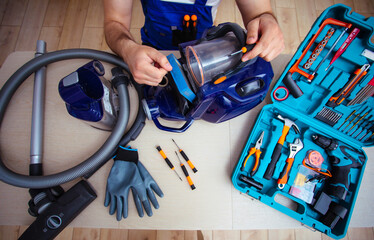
x: 208, y: 59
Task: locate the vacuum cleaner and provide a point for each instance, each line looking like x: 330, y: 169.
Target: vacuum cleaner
x: 209, y: 81
x: 89, y: 96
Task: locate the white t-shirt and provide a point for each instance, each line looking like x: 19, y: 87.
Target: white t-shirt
x: 213, y: 3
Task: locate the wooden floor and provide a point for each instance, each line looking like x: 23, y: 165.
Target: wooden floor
x: 79, y: 24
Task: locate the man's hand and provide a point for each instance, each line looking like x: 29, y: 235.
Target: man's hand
x: 147, y: 65
x: 266, y: 33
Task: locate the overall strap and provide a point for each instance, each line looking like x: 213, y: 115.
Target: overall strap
x: 200, y: 2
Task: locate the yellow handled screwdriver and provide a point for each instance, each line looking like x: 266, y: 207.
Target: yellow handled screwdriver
x: 167, y: 161
x: 186, y: 158
x: 243, y: 50
x: 189, y: 180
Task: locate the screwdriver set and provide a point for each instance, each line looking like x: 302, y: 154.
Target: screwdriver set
x: 306, y: 147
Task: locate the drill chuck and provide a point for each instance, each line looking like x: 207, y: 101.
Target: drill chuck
x: 324, y: 142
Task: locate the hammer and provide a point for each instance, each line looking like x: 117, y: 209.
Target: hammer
x: 278, y: 148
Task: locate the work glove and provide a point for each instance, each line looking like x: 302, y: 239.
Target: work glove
x: 150, y: 185
x: 124, y: 176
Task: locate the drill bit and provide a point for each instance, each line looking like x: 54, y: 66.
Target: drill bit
x: 360, y: 119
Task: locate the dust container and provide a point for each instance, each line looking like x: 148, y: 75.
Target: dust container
x: 209, y: 59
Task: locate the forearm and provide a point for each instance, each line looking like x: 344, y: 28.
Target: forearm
x: 251, y: 9
x: 118, y: 37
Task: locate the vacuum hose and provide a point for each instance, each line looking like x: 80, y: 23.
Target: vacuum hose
x: 100, y: 157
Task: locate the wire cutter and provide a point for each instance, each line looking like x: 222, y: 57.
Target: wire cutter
x: 257, y: 151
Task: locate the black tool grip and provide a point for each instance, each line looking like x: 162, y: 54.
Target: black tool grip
x: 188, y: 161
x: 284, y: 171
x: 184, y: 155
x: 274, y: 159
x: 292, y: 86
x: 251, y: 182
x: 169, y: 163
x: 184, y: 170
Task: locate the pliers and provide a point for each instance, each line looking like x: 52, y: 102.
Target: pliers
x: 257, y: 151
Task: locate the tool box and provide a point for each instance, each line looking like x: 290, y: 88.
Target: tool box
x: 304, y: 155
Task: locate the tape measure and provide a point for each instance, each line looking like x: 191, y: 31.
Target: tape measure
x: 314, y: 158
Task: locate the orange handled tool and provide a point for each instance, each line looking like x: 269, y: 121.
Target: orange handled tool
x: 257, y: 151
x: 186, y: 21
x: 244, y: 49
x: 295, y: 147
x: 185, y: 157
x: 344, y: 92
x: 278, y: 147
x: 189, y: 180
x: 295, y: 67
x: 194, y: 21
x: 167, y: 161
x: 193, y: 26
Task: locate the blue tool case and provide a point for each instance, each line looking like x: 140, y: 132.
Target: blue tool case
x: 311, y: 137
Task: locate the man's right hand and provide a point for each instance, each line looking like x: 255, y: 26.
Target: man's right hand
x: 147, y: 65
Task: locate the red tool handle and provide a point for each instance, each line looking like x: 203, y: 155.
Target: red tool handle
x: 331, y: 21
x: 371, y: 83
x: 346, y: 43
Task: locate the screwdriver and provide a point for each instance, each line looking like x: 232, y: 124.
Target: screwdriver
x: 186, y: 173
x: 186, y: 21
x: 194, y: 24
x: 167, y: 161
x: 243, y: 50
x: 185, y: 157
x: 344, y: 46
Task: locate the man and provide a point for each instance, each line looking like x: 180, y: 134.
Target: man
x: 148, y: 65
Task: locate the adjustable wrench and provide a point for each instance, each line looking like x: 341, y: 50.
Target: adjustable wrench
x: 295, y: 147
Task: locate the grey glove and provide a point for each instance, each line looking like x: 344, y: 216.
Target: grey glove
x: 150, y: 185
x: 125, y: 175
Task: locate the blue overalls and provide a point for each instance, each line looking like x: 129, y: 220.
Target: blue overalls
x: 161, y: 17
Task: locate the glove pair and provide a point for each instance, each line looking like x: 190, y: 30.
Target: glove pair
x: 129, y: 173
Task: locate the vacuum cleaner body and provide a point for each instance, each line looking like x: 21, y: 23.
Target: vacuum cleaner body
x: 209, y: 81
x: 89, y: 96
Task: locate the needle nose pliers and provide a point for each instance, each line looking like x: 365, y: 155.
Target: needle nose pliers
x: 257, y: 151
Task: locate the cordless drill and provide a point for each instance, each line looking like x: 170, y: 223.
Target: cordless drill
x: 342, y: 162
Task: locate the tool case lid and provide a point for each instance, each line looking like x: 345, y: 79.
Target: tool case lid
x: 311, y: 103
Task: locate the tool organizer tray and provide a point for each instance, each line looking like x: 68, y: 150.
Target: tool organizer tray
x: 311, y: 162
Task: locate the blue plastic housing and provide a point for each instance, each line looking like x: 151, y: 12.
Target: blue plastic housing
x: 214, y: 103
x: 82, y: 92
